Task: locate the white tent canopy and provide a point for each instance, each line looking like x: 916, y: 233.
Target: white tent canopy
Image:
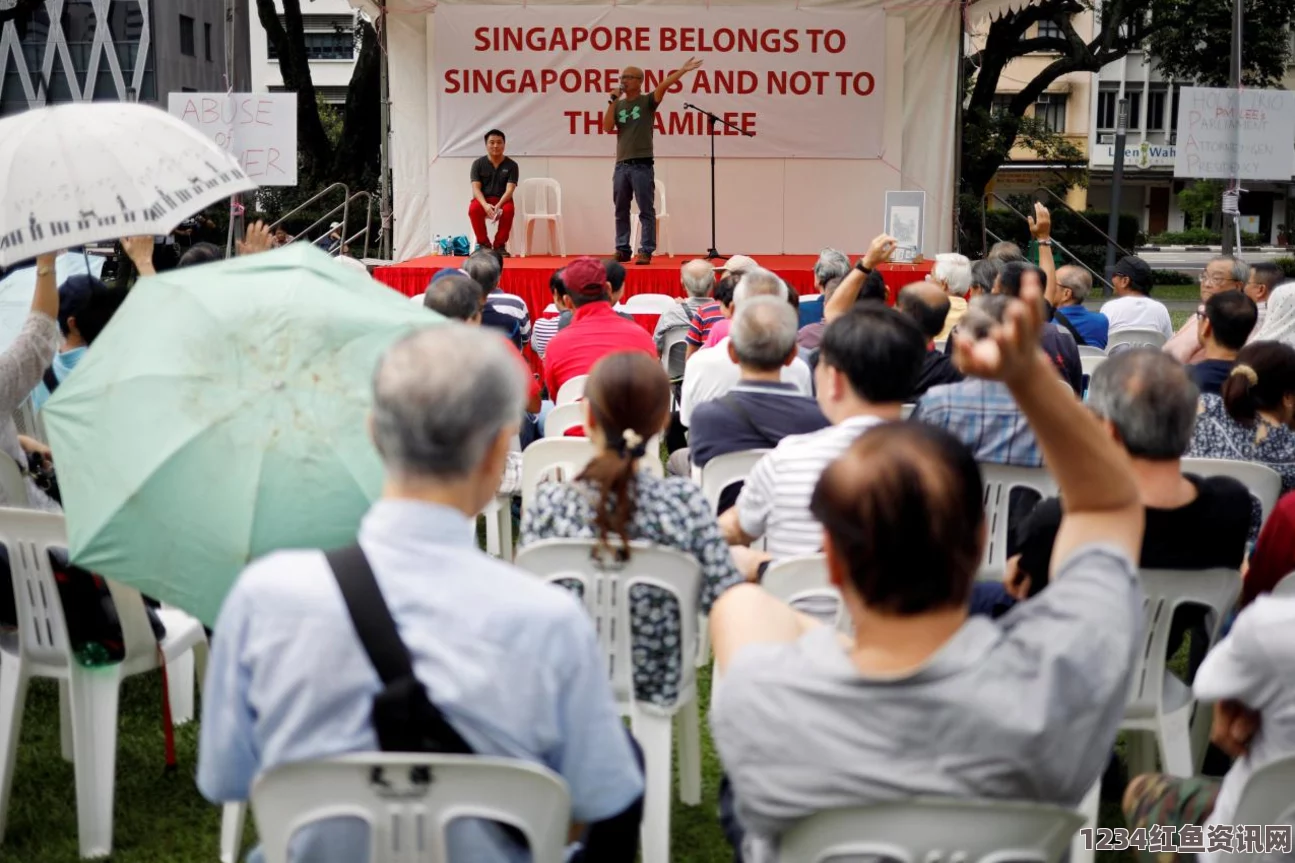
x: 765, y: 206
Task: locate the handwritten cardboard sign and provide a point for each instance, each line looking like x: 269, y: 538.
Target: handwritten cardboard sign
x: 259, y: 129
x: 1224, y: 133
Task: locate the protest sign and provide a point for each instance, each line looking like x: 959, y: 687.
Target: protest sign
x: 259, y: 129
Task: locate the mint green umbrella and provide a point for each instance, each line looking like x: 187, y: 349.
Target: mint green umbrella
x: 221, y: 416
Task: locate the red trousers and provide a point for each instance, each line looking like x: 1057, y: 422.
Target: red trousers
x: 477, y: 214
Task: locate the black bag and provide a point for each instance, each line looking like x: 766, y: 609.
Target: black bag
x: 404, y: 718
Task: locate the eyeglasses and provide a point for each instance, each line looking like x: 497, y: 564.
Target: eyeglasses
x: 1215, y: 279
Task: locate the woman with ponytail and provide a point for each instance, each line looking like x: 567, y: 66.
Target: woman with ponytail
x: 1253, y: 417
x: 627, y: 403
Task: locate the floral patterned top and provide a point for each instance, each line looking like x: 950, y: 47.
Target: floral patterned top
x: 668, y: 512
x: 1217, y: 435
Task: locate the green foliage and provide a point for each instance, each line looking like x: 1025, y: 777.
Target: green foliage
x: 1287, y: 264
x: 1194, y: 43
x: 1201, y: 237
x: 1200, y: 199
x: 1068, y: 229
x: 1171, y: 277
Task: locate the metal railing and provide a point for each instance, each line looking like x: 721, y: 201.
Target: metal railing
x: 1071, y: 257
x: 344, y: 207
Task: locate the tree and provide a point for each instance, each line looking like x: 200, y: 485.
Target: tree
x: 1185, y: 35
x: 354, y: 159
x: 1199, y: 200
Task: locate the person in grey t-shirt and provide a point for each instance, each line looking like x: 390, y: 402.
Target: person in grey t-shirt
x: 925, y: 700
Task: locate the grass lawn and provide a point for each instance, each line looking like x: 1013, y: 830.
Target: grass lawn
x: 161, y: 818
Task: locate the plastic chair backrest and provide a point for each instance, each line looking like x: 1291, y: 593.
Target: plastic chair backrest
x: 534, y: 196
x: 1265, y: 484
x: 408, y: 800
x: 553, y: 458
x: 674, y: 342
x: 724, y: 470
x: 42, y: 629
x: 658, y: 200
x: 12, y: 483
x: 1091, y: 351
x: 999, y: 481
x: 1268, y: 797
x: 934, y: 830
x: 1135, y: 337
x: 571, y: 391
x: 564, y: 417
x: 1090, y: 362
x: 418, y: 299
x: 802, y: 582
x: 1164, y: 590
x: 649, y: 304
x: 605, y: 584
x: 1285, y: 587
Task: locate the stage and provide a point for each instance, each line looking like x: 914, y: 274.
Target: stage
x: 528, y: 277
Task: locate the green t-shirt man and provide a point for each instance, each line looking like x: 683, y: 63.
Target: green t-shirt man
x: 634, y: 119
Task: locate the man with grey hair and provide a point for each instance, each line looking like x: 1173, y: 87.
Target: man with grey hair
x: 952, y: 272
x: 712, y: 372
x: 1147, y: 402
x: 1088, y: 327
x: 1005, y: 252
x: 500, y: 653
x: 832, y: 265
x: 1221, y: 274
x: 761, y: 409
x: 698, y: 279
x: 758, y: 282
x: 504, y: 312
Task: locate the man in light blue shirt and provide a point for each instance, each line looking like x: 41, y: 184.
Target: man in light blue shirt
x: 511, y: 662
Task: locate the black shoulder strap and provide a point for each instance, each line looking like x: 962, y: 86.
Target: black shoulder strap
x: 50, y: 379
x: 1069, y: 327
x: 369, y: 614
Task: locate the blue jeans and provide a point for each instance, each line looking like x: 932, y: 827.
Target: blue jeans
x: 635, y: 182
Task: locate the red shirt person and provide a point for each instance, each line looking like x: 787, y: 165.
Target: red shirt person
x: 494, y: 179
x: 595, y: 329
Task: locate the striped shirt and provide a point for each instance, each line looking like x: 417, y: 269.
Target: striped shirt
x: 544, y: 330
x: 508, y: 313
x: 702, y: 320
x: 775, y: 499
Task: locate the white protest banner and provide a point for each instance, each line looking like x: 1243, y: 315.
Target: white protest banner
x: 1224, y: 133
x: 259, y: 129
x: 807, y: 82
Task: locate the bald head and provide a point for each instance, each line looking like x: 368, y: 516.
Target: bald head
x: 698, y: 278
x: 632, y: 81
x: 926, y: 303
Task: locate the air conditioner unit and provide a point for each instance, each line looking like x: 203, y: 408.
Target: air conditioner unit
x: 1106, y: 138
x: 1044, y: 99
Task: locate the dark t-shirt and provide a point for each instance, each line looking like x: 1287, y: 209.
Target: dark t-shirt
x: 1210, y: 374
x: 634, y: 119
x: 1209, y: 532
x: 937, y: 368
x: 753, y: 415
x: 494, y: 180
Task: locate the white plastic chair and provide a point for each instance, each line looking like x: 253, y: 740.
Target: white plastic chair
x: 571, y: 391
x: 499, y: 527
x: 999, y: 481
x: 906, y: 410
x: 802, y: 582
x: 88, y: 696
x: 563, y: 417
x: 606, y: 585
x: 418, y: 299
x: 1091, y: 351
x: 1264, y: 483
x: 408, y: 801
x: 534, y: 205
x: 933, y: 830
x: 1285, y: 587
x: 662, y: 236
x: 1268, y: 797
x: 649, y: 304
x: 553, y: 458
x: 673, y: 341
x: 1135, y: 337
x: 723, y: 470
x: 1090, y: 362
x: 13, y: 483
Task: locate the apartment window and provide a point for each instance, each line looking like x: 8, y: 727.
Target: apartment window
x: 1051, y: 109
x: 1002, y: 104
x: 186, y: 37
x: 1173, y: 116
x: 1050, y: 30
x: 328, y: 37
x: 206, y: 40
x: 1108, y: 106
x: 1156, y: 110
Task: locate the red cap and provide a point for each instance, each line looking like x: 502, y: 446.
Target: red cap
x: 586, y: 277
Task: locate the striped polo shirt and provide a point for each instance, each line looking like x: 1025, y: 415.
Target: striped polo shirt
x: 775, y: 499
x: 508, y: 313
x: 702, y: 320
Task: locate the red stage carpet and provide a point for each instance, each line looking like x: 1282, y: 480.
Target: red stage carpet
x: 528, y: 277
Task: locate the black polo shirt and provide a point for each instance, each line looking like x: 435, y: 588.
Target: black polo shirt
x: 494, y: 181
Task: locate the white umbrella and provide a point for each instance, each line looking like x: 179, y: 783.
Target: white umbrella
x: 88, y: 171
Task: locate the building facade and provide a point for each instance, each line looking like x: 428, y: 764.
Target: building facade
x: 120, y: 50
x: 1064, y: 107
x: 331, y: 43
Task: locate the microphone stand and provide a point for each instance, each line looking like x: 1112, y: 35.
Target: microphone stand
x: 711, y: 120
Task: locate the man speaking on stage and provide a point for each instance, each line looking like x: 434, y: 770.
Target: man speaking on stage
x: 631, y: 113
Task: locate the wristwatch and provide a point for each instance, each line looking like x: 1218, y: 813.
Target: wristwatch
x: 1044, y: 242
x: 44, y: 271
x: 611, y: 100
x: 861, y: 267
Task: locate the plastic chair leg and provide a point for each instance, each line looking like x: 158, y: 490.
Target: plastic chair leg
x: 13, y: 697
x: 505, y: 517
x: 689, y: 719
x: 65, y: 721
x: 179, y: 687
x: 493, y: 544
x: 1140, y: 752
x: 94, y: 694
x: 653, y: 734
x: 232, y: 817
x: 1079, y: 853
x: 703, y: 642
x: 200, y: 654
x: 1175, y: 739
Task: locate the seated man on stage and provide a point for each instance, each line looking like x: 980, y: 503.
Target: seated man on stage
x: 494, y: 179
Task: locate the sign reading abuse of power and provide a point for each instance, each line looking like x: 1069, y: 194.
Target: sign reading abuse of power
x: 807, y: 83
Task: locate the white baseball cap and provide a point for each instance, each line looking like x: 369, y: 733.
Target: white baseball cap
x: 739, y: 262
